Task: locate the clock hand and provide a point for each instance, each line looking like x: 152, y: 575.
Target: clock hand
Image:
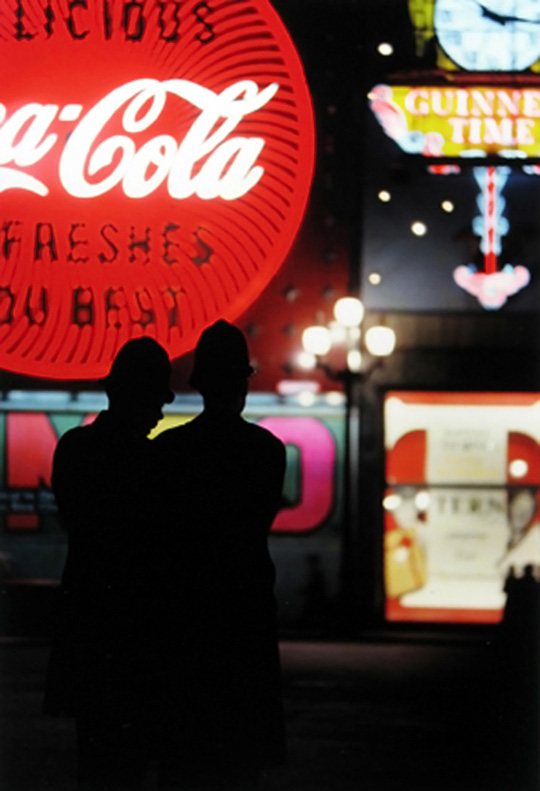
x: 502, y: 20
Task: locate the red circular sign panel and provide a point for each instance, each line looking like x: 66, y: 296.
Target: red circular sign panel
x: 155, y: 164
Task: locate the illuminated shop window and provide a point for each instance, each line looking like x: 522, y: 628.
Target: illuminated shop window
x: 28, y: 440
x: 462, y: 502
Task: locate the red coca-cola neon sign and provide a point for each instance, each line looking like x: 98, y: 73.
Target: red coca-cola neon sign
x: 155, y: 163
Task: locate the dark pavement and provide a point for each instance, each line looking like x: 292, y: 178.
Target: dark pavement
x: 378, y: 715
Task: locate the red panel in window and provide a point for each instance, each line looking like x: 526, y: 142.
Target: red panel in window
x: 405, y: 462
x: 31, y: 441
x: 22, y: 522
x: 30, y: 444
x: 522, y: 447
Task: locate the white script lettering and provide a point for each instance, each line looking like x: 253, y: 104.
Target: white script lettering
x: 209, y: 161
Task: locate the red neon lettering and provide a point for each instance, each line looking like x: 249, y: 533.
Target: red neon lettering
x: 317, y: 464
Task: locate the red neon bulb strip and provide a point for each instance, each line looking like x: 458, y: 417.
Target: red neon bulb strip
x: 490, y: 219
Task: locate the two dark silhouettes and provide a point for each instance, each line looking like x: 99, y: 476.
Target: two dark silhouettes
x: 165, y: 649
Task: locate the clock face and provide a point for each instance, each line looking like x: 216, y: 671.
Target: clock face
x: 489, y: 35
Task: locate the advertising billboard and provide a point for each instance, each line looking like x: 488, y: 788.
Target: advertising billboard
x: 155, y: 164
x: 306, y: 536
x: 453, y: 106
x: 461, y: 503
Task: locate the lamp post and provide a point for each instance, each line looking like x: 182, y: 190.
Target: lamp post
x: 363, y: 353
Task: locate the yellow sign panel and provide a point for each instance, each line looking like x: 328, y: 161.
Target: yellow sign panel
x: 450, y: 121
x: 169, y: 421
x: 421, y: 12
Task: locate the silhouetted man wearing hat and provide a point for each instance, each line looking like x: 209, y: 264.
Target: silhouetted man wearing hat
x: 98, y: 670
x: 223, y: 481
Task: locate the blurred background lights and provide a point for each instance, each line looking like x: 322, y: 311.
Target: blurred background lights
x: 335, y: 398
x: 306, y: 398
x: 354, y: 360
x: 421, y: 500
x: 317, y: 340
x: 447, y: 206
x: 401, y: 555
x: 380, y: 341
x: 291, y: 387
x: 391, y: 502
x: 349, y: 312
x: 384, y: 196
x: 338, y: 332
x: 419, y: 228
x: 374, y: 278
x: 385, y: 48
x: 306, y: 361
x: 518, y: 468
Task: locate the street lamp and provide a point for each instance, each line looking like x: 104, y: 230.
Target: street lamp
x: 318, y: 341
x: 379, y: 342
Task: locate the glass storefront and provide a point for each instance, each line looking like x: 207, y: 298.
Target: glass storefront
x: 461, y: 502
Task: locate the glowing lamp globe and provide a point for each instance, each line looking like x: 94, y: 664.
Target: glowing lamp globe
x: 317, y: 340
x: 306, y: 360
x: 354, y: 360
x: 380, y: 341
x: 349, y: 312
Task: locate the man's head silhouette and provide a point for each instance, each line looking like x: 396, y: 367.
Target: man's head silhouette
x: 139, y: 383
x: 221, y: 368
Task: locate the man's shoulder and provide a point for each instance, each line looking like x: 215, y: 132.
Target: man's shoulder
x: 81, y: 443
x: 75, y: 455
x: 174, y: 441
x: 172, y: 436
x: 263, y: 436
x: 75, y: 438
x: 195, y: 429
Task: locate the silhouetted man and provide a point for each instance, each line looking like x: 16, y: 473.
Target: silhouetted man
x: 223, y: 481
x: 98, y: 670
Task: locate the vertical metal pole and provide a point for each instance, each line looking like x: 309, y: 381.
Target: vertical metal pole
x: 351, y: 517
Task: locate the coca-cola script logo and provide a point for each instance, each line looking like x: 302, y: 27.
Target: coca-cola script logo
x: 155, y: 163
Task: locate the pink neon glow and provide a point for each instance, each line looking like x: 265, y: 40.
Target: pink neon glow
x: 318, y: 455
x: 492, y: 289
x: 31, y: 440
x: 389, y: 114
